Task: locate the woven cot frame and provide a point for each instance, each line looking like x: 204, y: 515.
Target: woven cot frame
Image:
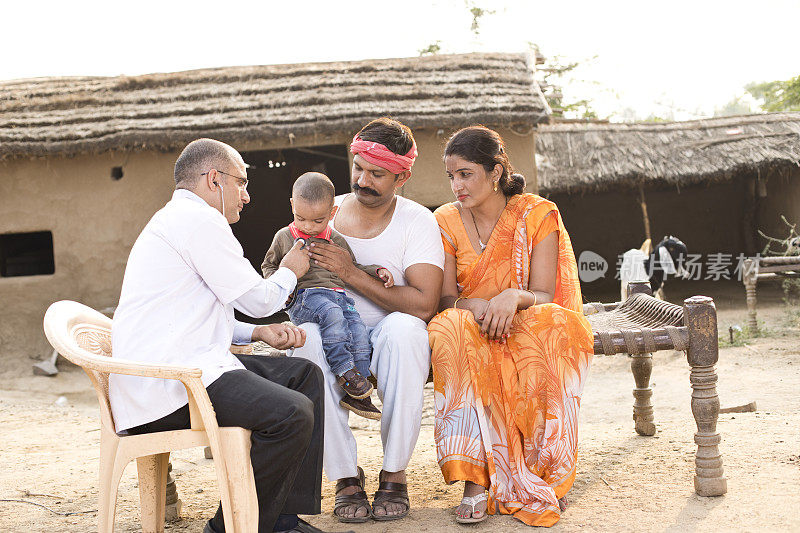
x: 642, y: 325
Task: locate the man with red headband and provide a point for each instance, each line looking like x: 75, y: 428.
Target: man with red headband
x: 403, y: 236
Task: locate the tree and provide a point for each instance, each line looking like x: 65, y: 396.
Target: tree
x: 652, y: 117
x: 477, y: 13
x: 777, y: 95
x: 552, y: 77
x: 735, y: 107
x: 432, y: 49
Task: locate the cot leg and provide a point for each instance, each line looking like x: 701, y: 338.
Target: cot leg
x: 750, y: 280
x: 700, y: 318
x: 642, y: 367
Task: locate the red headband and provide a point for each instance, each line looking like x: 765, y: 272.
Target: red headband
x: 378, y: 155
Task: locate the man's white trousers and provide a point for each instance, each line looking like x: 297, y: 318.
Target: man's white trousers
x: 400, y: 363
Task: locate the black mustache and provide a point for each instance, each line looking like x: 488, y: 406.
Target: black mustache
x: 356, y: 187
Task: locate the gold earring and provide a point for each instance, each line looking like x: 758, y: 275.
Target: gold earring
x: 495, y: 186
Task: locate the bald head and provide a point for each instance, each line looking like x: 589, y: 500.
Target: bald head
x: 198, y: 157
x: 314, y: 187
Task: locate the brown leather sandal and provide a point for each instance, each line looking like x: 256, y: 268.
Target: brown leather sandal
x: 390, y: 492
x: 359, y: 499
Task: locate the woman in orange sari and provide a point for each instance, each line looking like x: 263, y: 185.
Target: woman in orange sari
x: 511, y: 347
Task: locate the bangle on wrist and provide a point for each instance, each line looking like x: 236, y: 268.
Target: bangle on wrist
x: 455, y: 304
x: 534, y: 297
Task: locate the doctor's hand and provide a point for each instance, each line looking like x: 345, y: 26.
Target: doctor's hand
x: 296, y: 260
x: 280, y: 336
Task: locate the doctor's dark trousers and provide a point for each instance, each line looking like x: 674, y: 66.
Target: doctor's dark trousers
x: 280, y: 400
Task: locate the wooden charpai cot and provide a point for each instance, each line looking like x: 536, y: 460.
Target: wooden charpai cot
x: 641, y: 325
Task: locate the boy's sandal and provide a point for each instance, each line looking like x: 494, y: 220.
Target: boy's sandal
x: 363, y: 407
x: 357, y: 499
x: 472, y: 501
x: 390, y: 492
x: 354, y: 384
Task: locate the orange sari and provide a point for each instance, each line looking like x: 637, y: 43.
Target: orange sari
x: 507, y: 414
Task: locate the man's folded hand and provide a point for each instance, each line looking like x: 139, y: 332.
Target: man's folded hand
x: 280, y: 336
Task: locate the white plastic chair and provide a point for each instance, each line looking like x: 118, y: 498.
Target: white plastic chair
x: 83, y: 336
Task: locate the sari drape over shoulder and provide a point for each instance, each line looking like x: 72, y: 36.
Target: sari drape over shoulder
x: 507, y: 414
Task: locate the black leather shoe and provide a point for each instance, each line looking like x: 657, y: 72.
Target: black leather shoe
x: 305, y: 527
x: 302, y: 527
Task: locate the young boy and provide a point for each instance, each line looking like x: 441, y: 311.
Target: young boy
x: 320, y: 296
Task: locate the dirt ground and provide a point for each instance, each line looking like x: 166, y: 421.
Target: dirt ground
x: 624, y: 482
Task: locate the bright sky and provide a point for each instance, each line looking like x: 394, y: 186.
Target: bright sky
x: 684, y: 57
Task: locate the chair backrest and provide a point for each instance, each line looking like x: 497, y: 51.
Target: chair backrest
x: 83, y: 336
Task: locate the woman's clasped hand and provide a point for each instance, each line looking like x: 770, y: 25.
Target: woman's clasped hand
x: 496, y: 315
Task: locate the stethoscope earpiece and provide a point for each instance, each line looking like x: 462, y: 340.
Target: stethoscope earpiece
x: 221, y: 196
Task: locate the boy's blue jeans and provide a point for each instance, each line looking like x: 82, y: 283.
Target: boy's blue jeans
x: 344, y: 335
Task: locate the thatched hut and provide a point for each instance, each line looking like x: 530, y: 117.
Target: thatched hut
x: 85, y: 161
x: 711, y: 182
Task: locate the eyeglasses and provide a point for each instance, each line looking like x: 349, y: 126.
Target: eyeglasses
x: 242, y: 182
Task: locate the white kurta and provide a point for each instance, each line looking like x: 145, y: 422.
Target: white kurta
x: 185, y: 274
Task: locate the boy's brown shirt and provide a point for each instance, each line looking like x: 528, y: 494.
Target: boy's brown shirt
x: 316, y: 275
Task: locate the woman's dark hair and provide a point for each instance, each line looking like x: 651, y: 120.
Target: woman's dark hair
x: 480, y: 145
x: 392, y: 134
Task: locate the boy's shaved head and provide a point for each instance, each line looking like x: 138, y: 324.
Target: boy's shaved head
x: 314, y: 187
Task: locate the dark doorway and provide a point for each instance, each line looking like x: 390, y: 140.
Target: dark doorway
x: 271, y: 175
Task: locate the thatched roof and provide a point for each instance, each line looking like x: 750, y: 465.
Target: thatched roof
x: 75, y: 115
x: 592, y: 156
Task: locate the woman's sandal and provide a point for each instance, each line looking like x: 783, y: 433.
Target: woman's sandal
x: 359, y: 499
x: 472, y: 501
x: 390, y: 492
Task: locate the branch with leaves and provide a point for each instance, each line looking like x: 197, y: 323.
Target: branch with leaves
x: 777, y: 95
x: 552, y: 78
x: 789, y: 246
x: 477, y: 14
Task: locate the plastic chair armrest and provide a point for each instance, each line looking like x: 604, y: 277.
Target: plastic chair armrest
x: 135, y: 368
x: 201, y: 412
